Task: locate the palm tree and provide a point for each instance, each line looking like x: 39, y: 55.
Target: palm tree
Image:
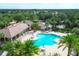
x: 35, y: 26
x: 68, y: 41
x: 76, y: 45
x: 18, y: 48
x: 30, y: 48
x: 8, y: 46
x: 77, y: 49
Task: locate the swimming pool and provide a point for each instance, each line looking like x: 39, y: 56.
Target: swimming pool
x: 45, y: 39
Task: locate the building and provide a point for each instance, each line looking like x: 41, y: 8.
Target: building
x: 42, y: 25
x: 29, y: 23
x: 60, y: 26
x: 15, y: 30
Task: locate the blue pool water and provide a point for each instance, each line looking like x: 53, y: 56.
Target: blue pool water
x: 45, y: 39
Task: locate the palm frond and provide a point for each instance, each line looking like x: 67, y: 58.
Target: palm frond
x: 60, y: 46
x: 64, y: 48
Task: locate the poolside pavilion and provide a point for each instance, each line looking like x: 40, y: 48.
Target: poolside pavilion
x: 15, y: 30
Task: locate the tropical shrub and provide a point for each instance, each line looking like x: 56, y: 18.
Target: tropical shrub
x: 18, y: 48
x: 35, y: 26
x: 75, y: 30
x: 2, y: 36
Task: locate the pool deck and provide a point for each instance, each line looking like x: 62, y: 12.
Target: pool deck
x: 54, y: 49
x: 49, y: 50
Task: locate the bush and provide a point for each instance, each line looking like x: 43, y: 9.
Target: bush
x: 35, y: 26
x: 75, y: 30
x: 67, y: 30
